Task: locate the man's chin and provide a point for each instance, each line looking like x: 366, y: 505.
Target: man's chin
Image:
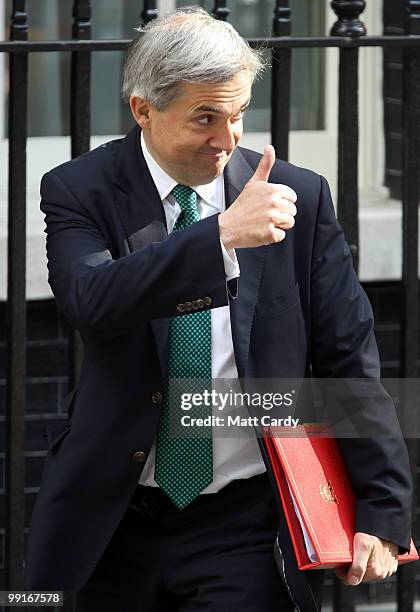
x: 208, y: 175
x: 205, y: 180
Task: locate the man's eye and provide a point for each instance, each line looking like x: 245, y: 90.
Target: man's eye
x: 205, y: 120
x: 210, y: 119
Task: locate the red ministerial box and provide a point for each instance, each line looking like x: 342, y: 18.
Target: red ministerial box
x: 313, y: 483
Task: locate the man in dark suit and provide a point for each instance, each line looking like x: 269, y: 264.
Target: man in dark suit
x: 177, y: 254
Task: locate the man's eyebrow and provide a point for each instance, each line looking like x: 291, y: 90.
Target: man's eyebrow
x: 215, y: 109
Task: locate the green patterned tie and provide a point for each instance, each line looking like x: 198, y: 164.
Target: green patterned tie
x: 184, y: 465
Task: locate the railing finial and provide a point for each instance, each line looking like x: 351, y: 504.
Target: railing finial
x: 348, y: 23
x: 82, y: 14
x: 282, y: 20
x: 19, y: 21
x: 149, y: 11
x: 412, y: 25
x: 220, y: 10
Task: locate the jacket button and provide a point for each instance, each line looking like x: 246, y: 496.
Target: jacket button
x: 139, y: 457
x: 157, y: 397
x: 180, y: 308
x: 194, y: 305
x: 208, y: 301
x: 200, y: 303
x: 188, y: 305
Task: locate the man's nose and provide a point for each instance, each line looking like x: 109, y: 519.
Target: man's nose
x: 225, y: 138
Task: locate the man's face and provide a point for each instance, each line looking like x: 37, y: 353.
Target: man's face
x: 193, y: 139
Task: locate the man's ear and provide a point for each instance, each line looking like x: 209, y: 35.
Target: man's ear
x: 140, y: 109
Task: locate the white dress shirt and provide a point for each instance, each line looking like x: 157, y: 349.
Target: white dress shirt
x: 237, y: 457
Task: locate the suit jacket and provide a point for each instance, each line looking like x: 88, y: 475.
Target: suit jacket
x: 118, y: 277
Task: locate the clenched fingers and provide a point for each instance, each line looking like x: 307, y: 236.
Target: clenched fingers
x: 373, y: 559
x: 282, y: 220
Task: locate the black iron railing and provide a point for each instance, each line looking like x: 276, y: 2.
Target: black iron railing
x: 348, y: 34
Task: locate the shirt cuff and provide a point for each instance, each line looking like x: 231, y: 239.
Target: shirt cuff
x: 231, y: 262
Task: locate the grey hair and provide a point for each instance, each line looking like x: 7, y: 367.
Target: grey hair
x: 186, y: 46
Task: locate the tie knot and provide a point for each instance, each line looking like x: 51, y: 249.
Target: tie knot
x: 187, y: 200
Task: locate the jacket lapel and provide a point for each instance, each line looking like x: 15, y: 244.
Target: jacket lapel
x: 142, y: 215
x: 251, y: 261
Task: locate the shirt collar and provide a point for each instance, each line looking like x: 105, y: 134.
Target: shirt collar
x: 212, y: 193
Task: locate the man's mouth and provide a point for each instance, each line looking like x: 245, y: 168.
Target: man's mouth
x: 214, y: 154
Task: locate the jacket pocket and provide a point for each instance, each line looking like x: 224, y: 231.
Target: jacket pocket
x: 279, y: 303
x: 67, y: 403
x: 55, y: 432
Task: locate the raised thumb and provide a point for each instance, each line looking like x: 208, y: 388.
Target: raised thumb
x: 266, y: 163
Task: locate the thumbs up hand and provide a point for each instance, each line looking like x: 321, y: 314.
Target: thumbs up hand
x: 263, y: 211
x: 266, y: 163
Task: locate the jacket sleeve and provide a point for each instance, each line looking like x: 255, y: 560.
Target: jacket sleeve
x: 103, y: 296
x: 344, y: 347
